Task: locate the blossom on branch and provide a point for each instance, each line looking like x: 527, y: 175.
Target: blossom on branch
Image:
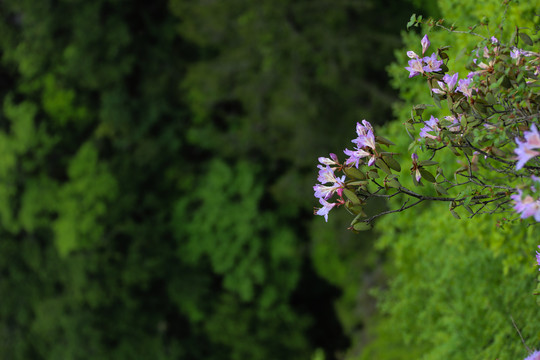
x: 432, y: 64
x: 326, y: 175
x: 527, y: 206
x: 464, y: 87
x: 365, y: 145
x: 415, y: 168
x: 432, y: 125
x: 425, y: 44
x: 333, y: 160
x: 447, y: 84
x: 326, y: 207
x: 416, y: 67
x: 525, y: 151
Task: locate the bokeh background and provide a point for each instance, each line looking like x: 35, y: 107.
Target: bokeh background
x: 157, y: 160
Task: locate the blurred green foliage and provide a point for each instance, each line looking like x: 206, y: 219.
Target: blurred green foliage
x: 157, y: 160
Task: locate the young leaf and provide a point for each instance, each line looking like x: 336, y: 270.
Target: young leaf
x: 426, y: 175
x: 351, y: 196
x: 353, y: 172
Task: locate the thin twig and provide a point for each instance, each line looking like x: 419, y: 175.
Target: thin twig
x: 519, y: 333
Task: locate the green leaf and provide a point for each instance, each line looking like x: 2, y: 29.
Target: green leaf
x: 412, y: 21
x: 355, y: 209
x: 383, y: 140
x: 426, y: 175
x: 393, y: 183
x: 440, y: 189
x: 354, y: 173
x: 373, y: 174
x: 455, y: 214
x: 362, y: 226
x: 419, y: 109
x: 351, y: 196
x: 526, y: 39
x: 358, y: 183
x: 392, y: 163
x: 427, y: 163
x: 382, y: 165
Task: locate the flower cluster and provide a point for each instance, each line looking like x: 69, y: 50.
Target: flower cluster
x: 329, y: 185
x: 361, y: 166
x: 418, y: 66
x: 365, y: 145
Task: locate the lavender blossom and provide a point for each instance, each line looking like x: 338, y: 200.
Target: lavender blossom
x: 527, y: 206
x: 525, y: 151
x: 431, y: 125
x: 412, y: 55
x: 365, y: 140
x: 415, y: 67
x: 432, y: 64
x: 447, y: 85
x: 355, y: 156
x: 425, y: 44
x: 326, y: 207
x: 534, y: 356
x: 333, y: 160
x: 415, y: 167
x: 464, y: 87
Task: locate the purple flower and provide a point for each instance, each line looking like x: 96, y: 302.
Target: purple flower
x: 538, y: 257
x: 415, y: 167
x: 333, y: 160
x: 425, y: 44
x: 525, y: 151
x: 326, y: 192
x: 415, y: 67
x: 464, y: 87
x: 455, y: 122
x: 355, y: 156
x: 534, y: 356
x: 326, y: 175
x: 365, y: 140
x: 516, y: 53
x: 326, y: 207
x: 431, y: 125
x: 494, y: 40
x: 527, y: 206
x: 447, y: 85
x: 412, y: 55
x: 432, y: 64
x: 364, y: 128
x: 450, y: 80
